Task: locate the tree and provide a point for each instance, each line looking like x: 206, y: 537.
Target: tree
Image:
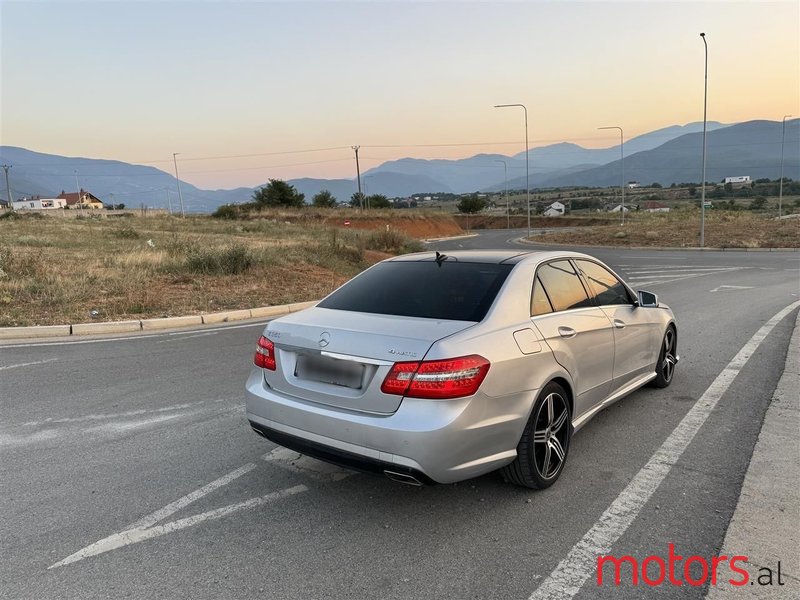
x: 278, y: 193
x: 471, y: 204
x: 357, y: 200
x: 378, y: 201
x: 759, y: 203
x: 324, y: 199
x: 692, y: 191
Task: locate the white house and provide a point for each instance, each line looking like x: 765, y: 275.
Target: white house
x: 738, y: 179
x: 556, y: 209
x: 39, y: 203
x: 618, y: 208
x: 633, y: 184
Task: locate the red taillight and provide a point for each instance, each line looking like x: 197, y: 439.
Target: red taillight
x: 265, y: 354
x: 440, y: 379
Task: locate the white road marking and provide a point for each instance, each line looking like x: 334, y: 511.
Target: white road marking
x: 186, y: 337
x: 580, y: 563
x: 105, y: 416
x: 180, y: 503
x: 27, y: 364
x: 722, y: 288
x: 134, y: 536
x: 305, y: 465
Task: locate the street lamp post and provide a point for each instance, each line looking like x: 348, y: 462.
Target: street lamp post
x: 621, y: 169
x: 177, y: 179
x: 705, y: 113
x: 169, y: 202
x: 505, y: 176
x: 780, y: 193
x: 527, y: 167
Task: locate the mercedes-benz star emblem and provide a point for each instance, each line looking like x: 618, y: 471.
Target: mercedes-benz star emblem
x: 324, y: 339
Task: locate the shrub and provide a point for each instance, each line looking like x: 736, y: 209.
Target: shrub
x: 127, y: 233
x: 230, y: 260
x: 226, y: 211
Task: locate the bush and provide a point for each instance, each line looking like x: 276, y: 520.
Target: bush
x: 127, y: 233
x: 390, y: 240
x: 230, y: 260
x: 226, y: 211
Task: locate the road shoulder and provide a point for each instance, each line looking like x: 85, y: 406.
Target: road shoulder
x: 764, y: 526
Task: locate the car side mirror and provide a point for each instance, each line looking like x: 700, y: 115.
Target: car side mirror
x: 646, y: 299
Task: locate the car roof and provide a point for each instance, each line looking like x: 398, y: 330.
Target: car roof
x: 490, y: 256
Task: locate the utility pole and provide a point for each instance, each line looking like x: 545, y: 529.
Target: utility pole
x: 358, y: 174
x: 621, y: 169
x: 180, y: 195
x: 8, y: 188
x: 77, y: 187
x: 169, y: 202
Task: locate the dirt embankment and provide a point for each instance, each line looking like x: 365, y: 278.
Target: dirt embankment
x: 421, y: 227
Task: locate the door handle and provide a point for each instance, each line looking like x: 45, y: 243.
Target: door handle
x: 619, y: 324
x: 567, y: 332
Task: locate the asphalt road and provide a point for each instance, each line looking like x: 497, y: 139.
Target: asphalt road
x: 99, y: 438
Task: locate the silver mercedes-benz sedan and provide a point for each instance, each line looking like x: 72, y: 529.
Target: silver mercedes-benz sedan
x: 437, y: 368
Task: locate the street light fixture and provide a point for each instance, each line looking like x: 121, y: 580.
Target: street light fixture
x: 780, y: 193
x: 505, y: 175
x: 527, y: 168
x: 705, y: 113
x: 621, y: 168
x: 177, y: 179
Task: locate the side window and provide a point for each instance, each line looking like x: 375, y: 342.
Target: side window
x: 605, y: 288
x: 562, y: 285
x: 540, y: 304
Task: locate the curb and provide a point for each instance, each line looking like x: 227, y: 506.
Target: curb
x: 764, y: 523
x: 106, y: 327
x: 658, y: 248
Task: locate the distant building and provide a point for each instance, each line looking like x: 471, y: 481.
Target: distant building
x: 556, y: 209
x: 655, y: 207
x: 82, y: 199
x: 618, y: 208
x: 738, y: 179
x: 633, y: 184
x: 37, y: 203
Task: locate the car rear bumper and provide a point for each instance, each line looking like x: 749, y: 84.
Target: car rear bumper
x: 438, y: 440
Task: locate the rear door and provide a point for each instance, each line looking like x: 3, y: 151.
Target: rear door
x: 635, y: 335
x: 578, y: 333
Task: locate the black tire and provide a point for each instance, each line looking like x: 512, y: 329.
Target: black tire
x: 546, y: 436
x: 665, y: 367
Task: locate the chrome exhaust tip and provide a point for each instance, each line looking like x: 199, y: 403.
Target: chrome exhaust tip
x: 404, y: 478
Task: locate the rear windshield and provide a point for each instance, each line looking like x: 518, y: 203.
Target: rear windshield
x: 453, y: 291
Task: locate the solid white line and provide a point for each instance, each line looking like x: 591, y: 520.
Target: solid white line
x: 173, y: 507
x: 580, y: 563
x: 134, y: 536
x: 27, y: 364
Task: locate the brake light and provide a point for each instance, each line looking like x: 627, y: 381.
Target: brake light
x: 437, y: 379
x: 265, y: 354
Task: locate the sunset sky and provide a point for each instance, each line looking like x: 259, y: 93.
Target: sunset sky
x: 137, y: 81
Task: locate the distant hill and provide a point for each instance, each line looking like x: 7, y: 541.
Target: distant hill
x: 751, y: 148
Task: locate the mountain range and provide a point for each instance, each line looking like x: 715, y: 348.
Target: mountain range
x: 665, y: 156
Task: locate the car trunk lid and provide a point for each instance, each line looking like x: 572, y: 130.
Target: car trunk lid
x: 340, y: 358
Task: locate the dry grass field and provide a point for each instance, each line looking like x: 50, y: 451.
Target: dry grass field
x: 681, y: 229
x: 60, y: 270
